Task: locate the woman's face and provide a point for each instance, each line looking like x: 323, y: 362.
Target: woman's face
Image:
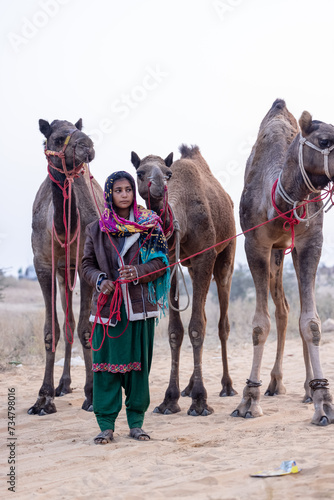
x: 122, y: 194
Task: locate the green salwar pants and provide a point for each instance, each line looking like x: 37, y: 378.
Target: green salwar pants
x: 107, y: 397
x: 116, y: 366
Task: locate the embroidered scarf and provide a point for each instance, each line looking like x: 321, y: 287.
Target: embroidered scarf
x: 146, y: 222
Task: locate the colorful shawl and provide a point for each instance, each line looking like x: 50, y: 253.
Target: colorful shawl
x: 146, y: 223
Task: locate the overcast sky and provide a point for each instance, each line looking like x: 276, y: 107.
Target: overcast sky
x: 148, y: 75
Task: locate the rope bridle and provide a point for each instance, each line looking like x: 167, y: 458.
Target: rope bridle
x: 67, y: 195
x: 295, y: 219
x: 174, y: 227
x: 61, y: 154
x: 325, y: 152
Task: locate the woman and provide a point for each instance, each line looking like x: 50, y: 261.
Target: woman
x: 121, y: 250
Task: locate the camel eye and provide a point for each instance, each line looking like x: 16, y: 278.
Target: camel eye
x: 169, y: 175
x: 324, y: 143
x: 59, y: 141
x: 140, y: 175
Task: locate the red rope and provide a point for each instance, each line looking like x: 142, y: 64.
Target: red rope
x: 165, y: 208
x: 66, y: 190
x: 289, y: 220
x: 318, y: 198
x: 116, y: 302
x: 115, y: 307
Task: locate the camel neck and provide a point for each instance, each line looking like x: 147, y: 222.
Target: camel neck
x: 162, y: 211
x: 59, y: 206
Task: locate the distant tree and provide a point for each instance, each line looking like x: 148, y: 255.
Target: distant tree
x: 2, y: 283
x: 242, y: 282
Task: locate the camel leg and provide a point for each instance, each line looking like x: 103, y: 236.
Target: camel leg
x: 45, y: 401
x: 84, y: 331
x: 201, y: 273
x: 281, y: 314
x: 64, y: 386
x: 306, y: 259
x: 308, y: 367
x: 259, y: 264
x: 222, y: 272
x: 175, y: 333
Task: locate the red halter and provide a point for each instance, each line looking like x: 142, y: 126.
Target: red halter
x: 67, y: 195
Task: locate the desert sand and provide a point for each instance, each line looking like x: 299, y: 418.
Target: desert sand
x: 200, y: 457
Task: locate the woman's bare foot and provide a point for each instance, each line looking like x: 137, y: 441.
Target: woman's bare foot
x: 104, y: 437
x: 140, y: 434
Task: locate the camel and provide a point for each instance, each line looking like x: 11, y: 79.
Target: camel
x: 76, y: 148
x: 286, y: 168
x: 204, y: 213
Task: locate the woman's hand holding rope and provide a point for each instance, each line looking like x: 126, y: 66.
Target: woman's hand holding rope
x: 125, y: 273
x: 128, y: 272
x: 107, y: 287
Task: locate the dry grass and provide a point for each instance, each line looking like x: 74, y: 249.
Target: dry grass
x: 22, y: 320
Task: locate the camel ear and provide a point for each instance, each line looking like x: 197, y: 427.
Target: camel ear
x: 305, y: 122
x: 135, y: 160
x: 169, y: 160
x: 79, y: 124
x: 45, y: 128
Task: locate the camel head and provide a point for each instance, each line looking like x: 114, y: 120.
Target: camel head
x: 152, y: 174
x: 321, y: 135
x: 80, y: 147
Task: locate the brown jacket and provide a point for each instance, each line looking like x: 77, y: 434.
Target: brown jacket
x: 100, y: 257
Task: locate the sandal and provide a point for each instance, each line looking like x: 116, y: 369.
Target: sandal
x: 139, y: 434
x: 104, y: 437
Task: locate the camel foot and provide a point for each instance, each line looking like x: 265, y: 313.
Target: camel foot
x: 167, y: 408
x: 236, y: 413
x: 269, y: 393
x: 275, y: 388
x: 187, y: 390
x: 249, y: 406
x: 323, y: 421
x: 226, y: 392
x: 104, y: 437
x: 307, y: 399
x: 139, y: 434
x: 198, y: 411
x: 87, y: 405
x: 62, y: 390
x: 247, y: 414
x: 227, y: 388
x: 43, y: 406
x: 324, y: 410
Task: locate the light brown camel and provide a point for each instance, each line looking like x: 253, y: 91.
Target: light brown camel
x: 204, y: 212
x: 303, y: 164
x: 49, y: 208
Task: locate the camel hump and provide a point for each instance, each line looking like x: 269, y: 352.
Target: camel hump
x: 278, y: 104
x: 189, y: 152
x: 280, y: 111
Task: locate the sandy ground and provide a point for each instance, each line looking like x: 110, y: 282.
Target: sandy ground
x: 200, y: 457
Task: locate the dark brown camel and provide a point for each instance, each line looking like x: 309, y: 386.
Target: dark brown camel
x: 48, y: 208
x: 304, y: 165
x: 204, y: 212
